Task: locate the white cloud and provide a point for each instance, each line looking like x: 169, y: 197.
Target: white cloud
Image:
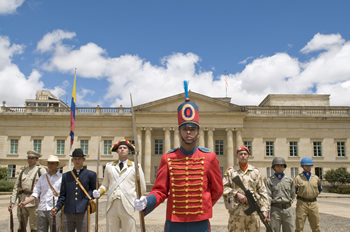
x: 81, y: 95
x: 9, y: 6
x: 53, y: 41
x: 323, y: 42
x: 280, y: 73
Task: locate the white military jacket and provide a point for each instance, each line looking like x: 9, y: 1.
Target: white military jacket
x: 126, y: 190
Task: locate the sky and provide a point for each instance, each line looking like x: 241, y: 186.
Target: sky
x: 148, y: 48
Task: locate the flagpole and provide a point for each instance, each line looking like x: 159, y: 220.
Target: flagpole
x: 72, y: 119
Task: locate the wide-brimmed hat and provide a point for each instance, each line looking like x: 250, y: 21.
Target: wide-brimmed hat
x: 33, y: 154
x: 122, y: 142
x: 53, y: 158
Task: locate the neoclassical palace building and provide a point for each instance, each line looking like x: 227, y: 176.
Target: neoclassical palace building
x: 288, y: 126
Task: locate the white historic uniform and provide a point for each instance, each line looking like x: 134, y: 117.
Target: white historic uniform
x: 121, y: 192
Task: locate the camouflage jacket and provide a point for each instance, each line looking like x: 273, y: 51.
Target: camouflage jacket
x: 252, y: 180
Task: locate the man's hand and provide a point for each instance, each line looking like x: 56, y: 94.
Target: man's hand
x: 22, y: 204
x: 96, y: 193
x: 54, y: 211
x: 242, y: 198
x: 267, y: 217
x: 140, y: 204
x: 11, y: 207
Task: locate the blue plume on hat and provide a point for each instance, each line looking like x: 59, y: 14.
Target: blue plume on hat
x: 186, y: 90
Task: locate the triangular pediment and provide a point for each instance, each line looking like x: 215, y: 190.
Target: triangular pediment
x: 204, y: 103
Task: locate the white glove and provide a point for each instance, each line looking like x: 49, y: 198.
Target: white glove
x: 140, y: 204
x: 96, y: 193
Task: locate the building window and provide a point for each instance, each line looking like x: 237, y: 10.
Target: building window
x: 14, y: 146
x: 269, y: 171
x: 158, y: 147
x: 341, y: 149
x: 155, y: 172
x: 60, y: 147
x: 248, y: 144
x: 133, y: 143
x: 103, y: 171
x: 37, y: 146
x: 219, y: 147
x: 293, y: 149
x: 317, y: 149
x: 319, y: 172
x: 60, y: 169
x: 107, y: 144
x: 84, y: 145
x: 294, y: 172
x: 12, y: 170
x: 269, y: 149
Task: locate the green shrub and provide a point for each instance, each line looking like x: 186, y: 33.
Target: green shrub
x: 337, y: 177
x: 344, y: 189
x: 3, y: 173
x: 6, y: 186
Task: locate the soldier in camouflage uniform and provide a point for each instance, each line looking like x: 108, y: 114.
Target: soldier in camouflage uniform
x: 280, y: 190
x: 23, y: 188
x: 235, y: 200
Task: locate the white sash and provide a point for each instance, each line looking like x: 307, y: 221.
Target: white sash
x: 120, y: 184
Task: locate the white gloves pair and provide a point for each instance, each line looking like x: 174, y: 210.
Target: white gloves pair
x: 96, y: 193
x: 140, y: 204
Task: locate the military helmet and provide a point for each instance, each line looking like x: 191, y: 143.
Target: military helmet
x: 279, y: 160
x: 306, y: 161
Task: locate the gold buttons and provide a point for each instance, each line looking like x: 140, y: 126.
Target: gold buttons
x: 173, y: 206
x: 201, y: 212
x: 186, y: 173
x: 186, y: 178
x: 200, y: 200
x: 200, y: 195
x: 172, y: 184
x: 202, y: 162
x: 168, y: 159
x: 186, y: 168
x: 186, y: 190
x: 186, y: 207
x: 186, y: 163
x: 77, y: 178
x: 171, y: 174
x: 174, y: 212
x: 186, y: 195
x: 173, y: 190
x: 76, y: 198
x: 174, y: 201
x: 186, y: 213
x: 173, y: 179
x: 173, y: 195
x: 186, y: 158
x: 186, y: 201
x: 186, y: 184
x: 170, y: 168
x: 169, y: 163
x: 76, y: 193
x: 202, y: 173
x: 200, y: 189
x: 76, y: 183
x: 204, y: 158
x: 202, y: 168
x: 76, y: 188
x: 201, y: 178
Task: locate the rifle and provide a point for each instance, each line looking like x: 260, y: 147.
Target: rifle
x: 253, y: 205
x: 97, y: 184
x: 23, y: 223
x: 138, y: 183
x: 11, y: 220
x: 53, y: 229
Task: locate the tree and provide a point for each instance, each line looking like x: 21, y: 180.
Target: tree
x: 3, y: 173
x: 337, y: 177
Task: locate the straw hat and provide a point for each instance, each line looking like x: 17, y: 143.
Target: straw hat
x: 53, y: 158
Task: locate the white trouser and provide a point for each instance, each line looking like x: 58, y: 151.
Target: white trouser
x: 117, y: 217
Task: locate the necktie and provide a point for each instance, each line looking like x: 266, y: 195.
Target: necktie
x: 121, y: 165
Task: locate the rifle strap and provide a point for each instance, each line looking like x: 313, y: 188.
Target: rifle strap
x: 20, y: 178
x: 53, y: 190
x: 81, y: 186
x: 33, y: 184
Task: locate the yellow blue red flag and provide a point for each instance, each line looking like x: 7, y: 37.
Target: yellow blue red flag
x: 72, y: 113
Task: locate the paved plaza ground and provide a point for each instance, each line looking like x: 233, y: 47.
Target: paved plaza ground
x: 334, y: 212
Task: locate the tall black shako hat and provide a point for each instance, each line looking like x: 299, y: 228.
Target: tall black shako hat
x: 122, y: 142
x: 78, y: 153
x: 187, y: 112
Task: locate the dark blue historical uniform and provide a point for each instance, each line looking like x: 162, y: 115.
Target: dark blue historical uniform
x: 71, y: 195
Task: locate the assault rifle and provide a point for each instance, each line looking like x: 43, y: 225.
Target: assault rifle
x: 253, y: 205
x: 53, y: 229
x: 23, y: 222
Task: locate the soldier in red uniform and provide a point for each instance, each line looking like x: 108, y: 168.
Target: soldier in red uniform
x: 188, y: 176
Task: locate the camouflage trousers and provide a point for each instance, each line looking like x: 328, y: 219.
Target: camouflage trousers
x: 307, y: 210
x: 240, y: 223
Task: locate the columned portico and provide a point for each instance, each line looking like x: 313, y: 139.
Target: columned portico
x: 211, y: 139
x: 239, y: 140
x: 148, y: 151
x: 230, y: 151
x: 201, y: 142
x: 176, y: 138
x: 167, y: 141
x: 139, y: 142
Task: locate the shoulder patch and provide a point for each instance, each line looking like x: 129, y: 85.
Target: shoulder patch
x: 229, y: 168
x: 256, y: 168
x: 173, y: 150
x: 204, y: 149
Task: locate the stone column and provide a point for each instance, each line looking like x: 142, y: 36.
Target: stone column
x: 201, y: 142
x: 139, y: 142
x: 239, y: 141
x: 211, y: 139
x: 176, y: 138
x: 148, y: 151
x: 167, y: 142
x: 230, y: 151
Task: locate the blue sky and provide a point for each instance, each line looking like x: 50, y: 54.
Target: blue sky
x: 148, y: 48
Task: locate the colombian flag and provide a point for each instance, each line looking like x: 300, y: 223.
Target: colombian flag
x: 72, y: 113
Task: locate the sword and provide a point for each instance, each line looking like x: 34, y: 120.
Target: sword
x: 138, y: 183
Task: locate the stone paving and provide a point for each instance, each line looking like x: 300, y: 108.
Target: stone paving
x: 334, y: 213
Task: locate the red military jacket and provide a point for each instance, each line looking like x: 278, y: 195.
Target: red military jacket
x: 192, y: 184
